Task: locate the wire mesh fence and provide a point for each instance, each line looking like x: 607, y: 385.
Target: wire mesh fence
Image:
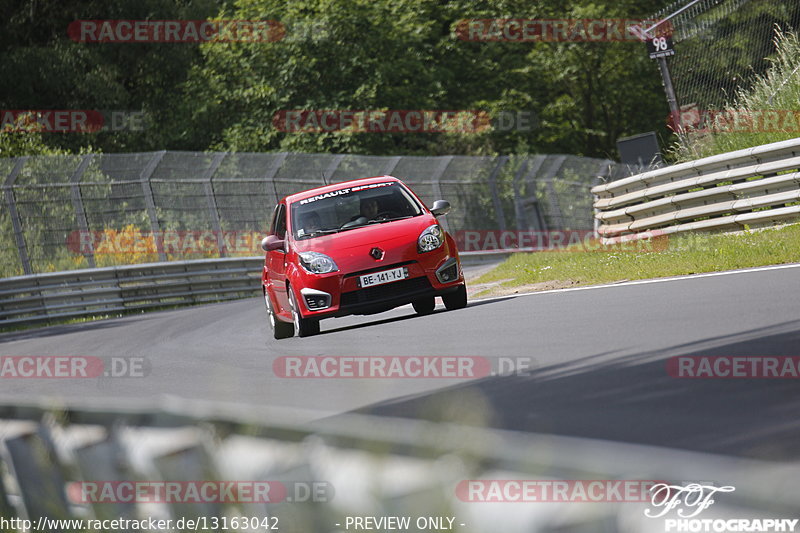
x: 721, y: 45
x: 94, y: 210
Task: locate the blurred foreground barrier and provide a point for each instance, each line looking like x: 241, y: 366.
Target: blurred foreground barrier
x: 753, y: 187
x: 194, y: 460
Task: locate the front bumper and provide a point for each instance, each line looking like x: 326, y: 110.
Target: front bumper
x: 338, y: 294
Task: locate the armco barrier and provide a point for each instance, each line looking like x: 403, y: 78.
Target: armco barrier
x: 752, y: 187
x: 111, y: 290
x: 97, y: 291
x: 348, y: 465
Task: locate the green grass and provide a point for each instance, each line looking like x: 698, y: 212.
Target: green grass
x: 690, y: 254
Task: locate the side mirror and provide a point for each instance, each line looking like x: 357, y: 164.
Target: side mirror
x: 440, y: 208
x: 271, y: 242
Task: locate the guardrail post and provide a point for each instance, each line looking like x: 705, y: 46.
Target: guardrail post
x: 77, y: 204
x: 144, y: 177
x: 19, y: 237
x: 103, y: 459
x: 601, y: 176
x: 36, y: 469
x: 212, y: 200
x: 499, y: 214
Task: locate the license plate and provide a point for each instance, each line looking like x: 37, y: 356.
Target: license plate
x: 379, y: 278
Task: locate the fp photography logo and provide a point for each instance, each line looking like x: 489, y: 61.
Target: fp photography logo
x: 687, y: 502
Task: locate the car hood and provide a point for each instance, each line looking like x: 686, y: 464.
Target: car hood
x: 342, y: 247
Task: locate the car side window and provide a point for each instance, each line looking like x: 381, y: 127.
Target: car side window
x: 279, y: 223
x: 273, y: 220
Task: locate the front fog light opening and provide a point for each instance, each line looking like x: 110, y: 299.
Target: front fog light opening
x: 316, y: 300
x: 448, y: 271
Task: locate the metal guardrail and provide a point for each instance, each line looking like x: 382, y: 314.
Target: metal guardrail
x: 754, y: 187
x: 98, y: 291
x: 111, y: 290
x: 364, y: 466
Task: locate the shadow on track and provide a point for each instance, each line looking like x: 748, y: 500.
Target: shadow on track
x: 404, y: 317
x: 634, y: 399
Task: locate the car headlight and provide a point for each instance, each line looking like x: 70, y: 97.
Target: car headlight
x: 430, y: 239
x: 317, y: 263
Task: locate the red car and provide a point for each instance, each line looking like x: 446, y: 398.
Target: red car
x: 359, y: 247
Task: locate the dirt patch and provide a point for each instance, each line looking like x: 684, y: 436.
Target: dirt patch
x: 488, y: 290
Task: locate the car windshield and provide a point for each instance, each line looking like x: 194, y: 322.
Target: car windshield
x: 352, y: 207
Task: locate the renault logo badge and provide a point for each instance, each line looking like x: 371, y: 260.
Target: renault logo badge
x: 376, y: 253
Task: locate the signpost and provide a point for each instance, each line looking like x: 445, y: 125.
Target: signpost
x: 659, y: 47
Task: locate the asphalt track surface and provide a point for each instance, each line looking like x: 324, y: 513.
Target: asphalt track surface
x: 598, y: 354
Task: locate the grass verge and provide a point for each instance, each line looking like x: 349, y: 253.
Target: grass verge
x: 690, y: 254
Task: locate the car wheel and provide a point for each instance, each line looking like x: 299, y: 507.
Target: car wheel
x: 457, y: 299
x: 424, y: 306
x: 305, y: 327
x: 280, y: 329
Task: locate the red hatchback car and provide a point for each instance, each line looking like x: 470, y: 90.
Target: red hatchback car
x: 358, y: 247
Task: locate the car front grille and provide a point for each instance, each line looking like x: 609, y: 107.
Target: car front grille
x: 385, y: 292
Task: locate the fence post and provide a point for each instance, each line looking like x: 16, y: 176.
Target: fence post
x: 437, y: 187
x: 80, y: 212
x: 391, y: 165
x: 212, y: 199
x: 331, y: 170
x: 552, y: 196
x: 500, y: 215
x: 521, y: 200
x: 273, y: 169
x: 8, y: 190
x: 144, y: 177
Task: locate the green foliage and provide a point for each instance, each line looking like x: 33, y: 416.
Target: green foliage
x: 367, y: 55
x: 44, y: 69
x: 337, y: 54
x: 778, y: 89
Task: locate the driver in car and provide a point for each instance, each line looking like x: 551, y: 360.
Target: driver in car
x: 311, y: 223
x: 369, y: 208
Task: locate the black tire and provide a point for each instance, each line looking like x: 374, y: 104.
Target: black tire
x: 457, y: 299
x: 424, y: 306
x: 280, y: 329
x: 305, y: 327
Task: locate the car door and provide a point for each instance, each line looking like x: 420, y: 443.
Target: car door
x: 276, y: 262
